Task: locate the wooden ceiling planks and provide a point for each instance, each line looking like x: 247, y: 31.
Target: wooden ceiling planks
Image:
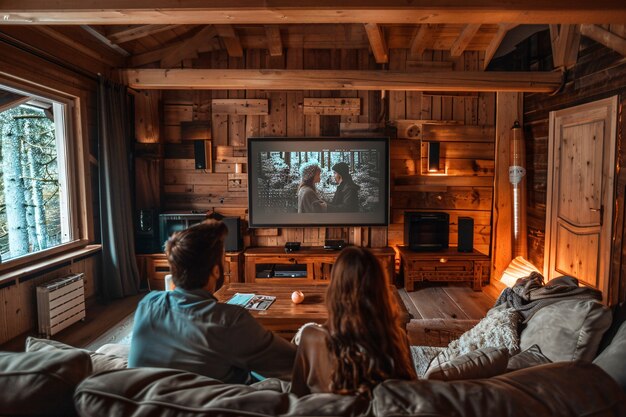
x: 332, y: 36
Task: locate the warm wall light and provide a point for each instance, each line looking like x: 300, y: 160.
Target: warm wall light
x: 433, y: 156
x: 518, y: 268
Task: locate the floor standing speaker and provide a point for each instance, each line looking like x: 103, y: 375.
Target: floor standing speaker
x: 234, y: 241
x: 147, y: 231
x: 466, y: 234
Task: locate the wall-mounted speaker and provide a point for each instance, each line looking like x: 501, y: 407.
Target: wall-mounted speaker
x: 199, y: 154
x: 466, y: 234
x: 234, y: 239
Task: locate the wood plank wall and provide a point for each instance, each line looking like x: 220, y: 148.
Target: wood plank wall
x: 18, y: 300
x: 466, y: 193
x: 18, y: 312
x: 599, y: 73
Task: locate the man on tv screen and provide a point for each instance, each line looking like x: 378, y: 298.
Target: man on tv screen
x: 346, y: 198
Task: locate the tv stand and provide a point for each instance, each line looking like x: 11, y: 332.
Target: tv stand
x: 315, y: 260
x: 443, y: 265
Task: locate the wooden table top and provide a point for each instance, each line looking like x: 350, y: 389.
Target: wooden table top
x: 282, y: 311
x: 283, y: 315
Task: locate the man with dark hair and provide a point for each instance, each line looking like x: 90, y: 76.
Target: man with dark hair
x: 346, y: 198
x: 188, y: 329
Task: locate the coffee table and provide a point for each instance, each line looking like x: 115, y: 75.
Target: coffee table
x: 284, y: 317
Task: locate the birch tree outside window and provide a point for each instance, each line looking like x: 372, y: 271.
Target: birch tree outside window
x: 34, y: 207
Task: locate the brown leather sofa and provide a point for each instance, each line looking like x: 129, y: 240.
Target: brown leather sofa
x: 60, y: 381
x: 565, y: 389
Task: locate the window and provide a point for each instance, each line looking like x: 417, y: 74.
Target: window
x: 35, y: 195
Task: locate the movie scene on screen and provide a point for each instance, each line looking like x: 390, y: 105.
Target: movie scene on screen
x: 323, y: 182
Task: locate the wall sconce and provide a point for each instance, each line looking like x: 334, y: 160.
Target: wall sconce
x: 433, y: 156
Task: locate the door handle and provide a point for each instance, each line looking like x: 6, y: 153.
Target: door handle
x: 599, y: 210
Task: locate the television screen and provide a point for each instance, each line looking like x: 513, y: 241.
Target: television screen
x: 318, y: 182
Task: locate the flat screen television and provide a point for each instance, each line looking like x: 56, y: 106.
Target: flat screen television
x: 292, y: 182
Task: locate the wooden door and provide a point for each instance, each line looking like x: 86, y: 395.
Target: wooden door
x: 581, y: 168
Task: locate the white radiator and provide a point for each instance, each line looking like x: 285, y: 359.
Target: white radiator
x: 60, y: 303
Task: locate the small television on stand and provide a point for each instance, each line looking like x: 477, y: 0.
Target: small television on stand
x: 292, y: 182
x: 426, y: 232
x: 171, y: 222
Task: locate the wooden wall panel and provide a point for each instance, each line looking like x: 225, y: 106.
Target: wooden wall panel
x: 469, y: 150
x: 18, y: 302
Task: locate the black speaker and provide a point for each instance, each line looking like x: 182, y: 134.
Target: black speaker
x: 466, y: 234
x: 147, y: 231
x: 199, y: 154
x: 234, y: 240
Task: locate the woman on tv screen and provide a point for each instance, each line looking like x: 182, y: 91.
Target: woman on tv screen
x: 309, y: 200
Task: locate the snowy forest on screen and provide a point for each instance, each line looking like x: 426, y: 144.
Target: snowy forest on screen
x: 30, y: 216
x: 279, y: 177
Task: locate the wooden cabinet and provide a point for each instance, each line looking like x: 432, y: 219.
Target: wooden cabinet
x: 154, y: 267
x: 445, y: 265
x: 302, y: 266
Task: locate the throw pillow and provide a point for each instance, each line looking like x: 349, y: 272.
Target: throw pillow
x: 477, y: 364
x: 41, y: 383
x: 422, y: 356
x: 100, y: 361
x: 613, y: 357
x: 530, y: 357
x: 498, y: 330
x: 567, y: 330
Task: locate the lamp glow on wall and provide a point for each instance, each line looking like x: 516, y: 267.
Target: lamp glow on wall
x: 433, y: 156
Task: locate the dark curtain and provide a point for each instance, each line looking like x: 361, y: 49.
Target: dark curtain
x: 120, y: 276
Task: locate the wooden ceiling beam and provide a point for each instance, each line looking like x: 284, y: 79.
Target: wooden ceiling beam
x: 231, y: 40
x: 420, y: 42
x: 377, y: 42
x: 464, y: 39
x: 78, y: 46
x: 218, y: 79
x: 565, y: 42
x: 137, y: 12
x: 189, y: 48
x: 137, y: 32
x: 274, y: 41
x: 503, y: 28
x: 604, y: 37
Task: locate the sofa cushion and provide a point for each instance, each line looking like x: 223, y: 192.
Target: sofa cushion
x: 556, y: 390
x: 480, y: 363
x: 527, y: 358
x: 618, y: 313
x: 567, y: 330
x: 158, y: 392
x: 100, y: 361
x: 41, y: 383
x: 613, y: 358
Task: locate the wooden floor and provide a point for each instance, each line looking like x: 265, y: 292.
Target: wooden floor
x: 100, y: 318
x: 443, y: 301
x: 432, y: 302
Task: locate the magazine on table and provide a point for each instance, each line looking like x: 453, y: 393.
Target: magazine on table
x: 252, y: 301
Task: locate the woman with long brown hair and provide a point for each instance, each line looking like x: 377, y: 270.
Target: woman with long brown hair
x: 363, y: 343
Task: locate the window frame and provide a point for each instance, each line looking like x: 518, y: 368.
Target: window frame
x: 76, y: 172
